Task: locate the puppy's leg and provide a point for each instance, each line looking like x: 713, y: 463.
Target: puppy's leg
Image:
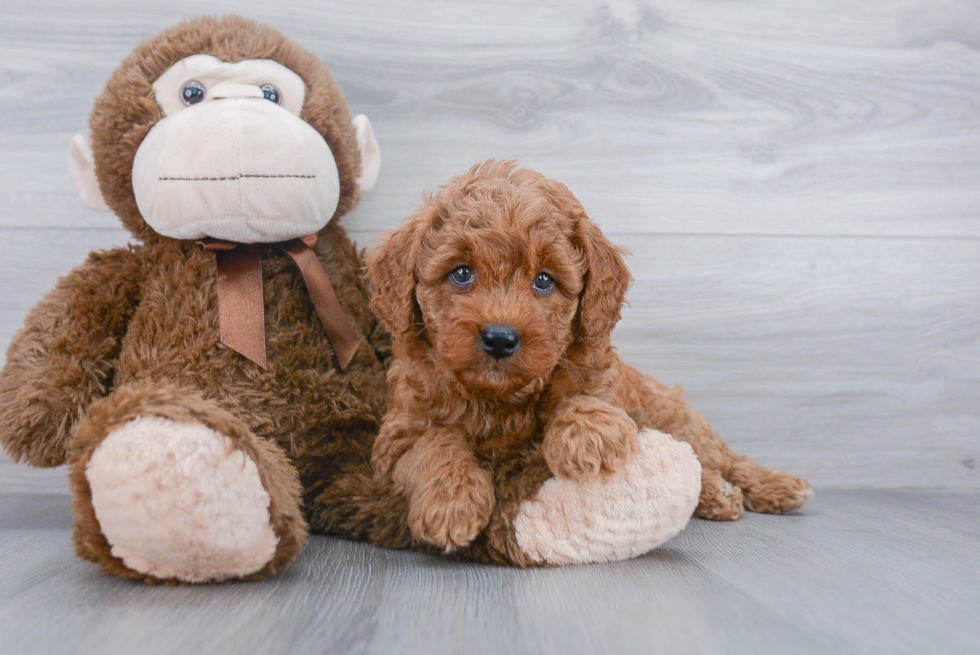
x: 768, y: 490
x: 450, y: 496
x: 587, y: 437
x: 720, y: 500
x: 729, y: 480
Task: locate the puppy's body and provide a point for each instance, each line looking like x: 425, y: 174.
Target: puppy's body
x: 502, y: 296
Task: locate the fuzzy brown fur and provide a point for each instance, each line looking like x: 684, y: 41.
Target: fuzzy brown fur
x: 466, y: 437
x: 134, y: 331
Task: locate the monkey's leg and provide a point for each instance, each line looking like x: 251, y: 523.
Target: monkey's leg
x: 357, y: 506
x: 542, y: 520
x: 170, y: 486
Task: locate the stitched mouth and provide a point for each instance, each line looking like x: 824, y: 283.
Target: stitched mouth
x: 230, y: 178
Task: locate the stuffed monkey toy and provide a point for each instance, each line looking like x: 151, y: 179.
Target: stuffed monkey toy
x: 206, y: 383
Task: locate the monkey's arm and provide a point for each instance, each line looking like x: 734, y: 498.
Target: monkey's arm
x: 63, y: 357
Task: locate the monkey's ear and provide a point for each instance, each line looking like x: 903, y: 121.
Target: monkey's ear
x: 81, y: 165
x: 370, y: 153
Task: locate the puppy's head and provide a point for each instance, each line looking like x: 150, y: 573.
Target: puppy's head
x: 500, y: 275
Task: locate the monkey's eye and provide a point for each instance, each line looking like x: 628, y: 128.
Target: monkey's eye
x: 462, y: 276
x: 543, y: 283
x: 192, y: 92
x: 271, y: 93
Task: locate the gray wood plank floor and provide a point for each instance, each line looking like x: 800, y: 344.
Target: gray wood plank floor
x: 861, y: 572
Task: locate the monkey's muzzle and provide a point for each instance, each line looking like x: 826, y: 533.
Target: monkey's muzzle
x: 238, y: 168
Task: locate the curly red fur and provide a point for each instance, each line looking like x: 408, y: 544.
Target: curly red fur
x: 457, y: 415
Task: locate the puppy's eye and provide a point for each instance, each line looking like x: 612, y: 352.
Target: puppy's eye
x: 271, y: 93
x: 543, y: 283
x: 462, y: 276
x: 192, y: 92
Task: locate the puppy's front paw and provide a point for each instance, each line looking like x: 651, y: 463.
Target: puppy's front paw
x: 587, y: 438
x: 450, y: 514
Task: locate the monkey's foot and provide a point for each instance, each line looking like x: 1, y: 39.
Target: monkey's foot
x: 179, y: 501
x: 616, y: 517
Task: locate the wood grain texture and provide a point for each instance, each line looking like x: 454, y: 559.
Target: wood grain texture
x: 797, y: 181
x: 862, y: 572
x: 811, y: 117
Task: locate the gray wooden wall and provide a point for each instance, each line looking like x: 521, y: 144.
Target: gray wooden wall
x: 798, y: 182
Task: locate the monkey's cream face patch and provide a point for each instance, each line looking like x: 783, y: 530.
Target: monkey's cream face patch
x: 229, y: 163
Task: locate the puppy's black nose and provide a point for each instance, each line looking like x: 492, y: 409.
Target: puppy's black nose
x: 500, y: 341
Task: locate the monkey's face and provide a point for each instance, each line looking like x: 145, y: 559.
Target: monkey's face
x: 232, y: 159
x: 223, y: 128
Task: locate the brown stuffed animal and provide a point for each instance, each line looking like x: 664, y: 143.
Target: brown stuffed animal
x: 514, y: 432
x: 208, y: 380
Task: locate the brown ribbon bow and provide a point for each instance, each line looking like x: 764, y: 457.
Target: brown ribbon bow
x: 241, y: 310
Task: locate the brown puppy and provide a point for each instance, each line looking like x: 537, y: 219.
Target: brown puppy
x: 501, y: 295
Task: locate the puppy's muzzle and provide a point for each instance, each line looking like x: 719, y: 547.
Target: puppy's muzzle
x: 500, y: 341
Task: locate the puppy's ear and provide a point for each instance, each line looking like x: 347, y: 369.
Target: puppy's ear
x: 391, y: 267
x: 607, y: 279
x: 606, y: 282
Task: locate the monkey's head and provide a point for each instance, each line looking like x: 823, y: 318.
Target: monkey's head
x: 224, y: 128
